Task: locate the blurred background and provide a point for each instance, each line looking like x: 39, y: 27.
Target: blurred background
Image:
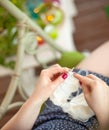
x: 77, y: 26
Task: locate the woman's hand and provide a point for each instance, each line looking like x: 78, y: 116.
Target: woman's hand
x: 96, y: 93
x: 48, y: 81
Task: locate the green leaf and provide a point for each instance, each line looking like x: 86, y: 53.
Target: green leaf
x: 70, y: 59
x: 107, y: 10
x: 7, y: 37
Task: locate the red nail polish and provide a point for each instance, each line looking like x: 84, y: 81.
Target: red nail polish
x: 80, y: 82
x: 64, y: 76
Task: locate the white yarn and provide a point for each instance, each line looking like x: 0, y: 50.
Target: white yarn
x: 77, y: 107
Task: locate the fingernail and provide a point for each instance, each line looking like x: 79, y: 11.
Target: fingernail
x: 64, y: 76
x: 80, y: 82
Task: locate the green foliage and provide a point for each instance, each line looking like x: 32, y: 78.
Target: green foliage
x: 70, y: 59
x: 8, y: 35
x: 107, y: 11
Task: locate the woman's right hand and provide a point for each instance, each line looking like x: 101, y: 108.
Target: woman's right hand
x: 96, y: 93
x: 49, y: 80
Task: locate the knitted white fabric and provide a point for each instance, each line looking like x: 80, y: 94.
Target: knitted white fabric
x: 76, y: 106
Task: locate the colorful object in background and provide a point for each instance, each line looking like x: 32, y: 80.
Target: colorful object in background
x: 51, y: 31
x: 58, y: 1
x: 40, y: 9
x: 30, y: 5
x: 107, y: 11
x: 40, y: 40
x: 47, y: 14
x: 54, y: 16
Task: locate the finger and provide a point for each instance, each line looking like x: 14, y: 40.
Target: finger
x: 93, y: 77
x: 57, y: 82
x: 62, y: 74
x: 54, y: 71
x: 87, y: 83
x: 83, y: 79
x: 57, y: 69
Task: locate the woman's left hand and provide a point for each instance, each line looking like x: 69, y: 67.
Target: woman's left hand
x: 96, y: 93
